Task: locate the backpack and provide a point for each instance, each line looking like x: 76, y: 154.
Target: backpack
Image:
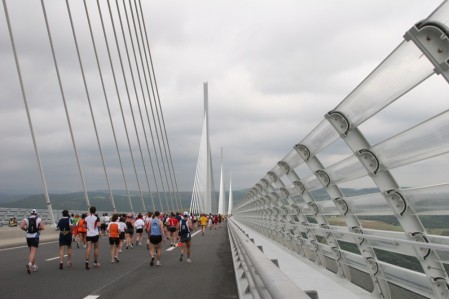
x: 32, y: 225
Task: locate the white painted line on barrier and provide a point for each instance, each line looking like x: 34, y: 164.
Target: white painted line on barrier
x: 54, y: 258
x: 25, y: 246
x: 92, y: 297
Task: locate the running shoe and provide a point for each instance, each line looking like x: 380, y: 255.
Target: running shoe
x: 189, y: 260
x: 158, y: 263
x: 116, y: 259
x: 69, y: 263
x: 96, y: 265
x: 152, y: 261
x: 180, y: 258
x: 77, y: 245
x: 28, y: 267
x: 87, y: 265
x: 61, y: 266
x: 112, y: 261
x: 35, y: 268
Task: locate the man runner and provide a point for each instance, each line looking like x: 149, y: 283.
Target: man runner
x: 32, y: 225
x: 156, y: 236
x: 92, y: 225
x: 184, y: 227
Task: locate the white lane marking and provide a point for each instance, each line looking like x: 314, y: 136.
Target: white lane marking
x: 25, y: 246
x: 173, y: 248
x: 91, y: 297
x: 54, y: 258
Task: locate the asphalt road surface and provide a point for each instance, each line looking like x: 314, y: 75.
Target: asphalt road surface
x: 210, y: 275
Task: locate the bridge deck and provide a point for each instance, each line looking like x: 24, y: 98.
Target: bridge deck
x: 210, y: 275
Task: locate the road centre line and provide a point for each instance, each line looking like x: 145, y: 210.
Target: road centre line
x: 173, y: 248
x: 54, y: 258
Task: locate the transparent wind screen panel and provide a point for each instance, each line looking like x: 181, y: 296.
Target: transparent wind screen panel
x: 428, y: 139
x: 293, y: 159
x: 441, y: 14
x: 405, y: 68
x: 409, y: 279
x: 328, y: 208
x: 346, y: 170
x: 432, y: 200
x: 370, y: 204
x: 320, y: 137
x: 311, y: 183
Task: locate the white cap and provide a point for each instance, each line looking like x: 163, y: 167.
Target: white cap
x: 33, y: 211
x: 186, y: 213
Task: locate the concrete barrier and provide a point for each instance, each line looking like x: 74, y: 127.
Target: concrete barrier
x: 13, y: 236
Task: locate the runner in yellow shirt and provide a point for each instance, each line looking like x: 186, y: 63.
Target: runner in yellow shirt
x: 203, y: 222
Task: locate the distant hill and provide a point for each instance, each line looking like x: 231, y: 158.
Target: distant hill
x: 101, y: 200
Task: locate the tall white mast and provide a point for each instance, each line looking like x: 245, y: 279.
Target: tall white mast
x: 229, y: 212
x: 221, y: 198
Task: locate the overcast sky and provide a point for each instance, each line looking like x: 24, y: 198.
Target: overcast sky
x: 274, y: 68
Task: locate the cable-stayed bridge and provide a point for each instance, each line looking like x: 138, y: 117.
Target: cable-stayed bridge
x: 389, y: 243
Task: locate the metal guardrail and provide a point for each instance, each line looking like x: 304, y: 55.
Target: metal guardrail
x: 386, y: 240
x: 264, y: 279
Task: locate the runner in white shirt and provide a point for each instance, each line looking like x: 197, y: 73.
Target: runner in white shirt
x: 92, y: 224
x: 139, y: 224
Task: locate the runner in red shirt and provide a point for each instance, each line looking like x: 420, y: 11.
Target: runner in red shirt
x: 172, y: 224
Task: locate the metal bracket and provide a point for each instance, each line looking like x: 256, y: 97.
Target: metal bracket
x: 337, y: 253
x: 325, y: 226
x: 303, y: 151
x: 284, y: 192
x: 420, y: 237
x: 272, y: 176
x: 265, y: 183
x: 358, y: 230
x: 300, y: 186
x: 369, y: 160
x: 314, y: 207
x: 341, y: 203
x: 397, y: 201
x: 372, y: 265
x: 323, y: 177
x: 441, y: 284
x: 297, y: 209
x: 339, y: 121
x: 284, y: 166
x: 431, y: 37
x: 315, y: 245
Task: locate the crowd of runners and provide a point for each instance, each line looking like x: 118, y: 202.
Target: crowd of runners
x: 124, y: 231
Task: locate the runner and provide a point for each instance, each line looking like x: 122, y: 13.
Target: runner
x: 122, y: 230
x: 184, y: 227
x: 195, y: 221
x: 215, y: 221
x: 65, y: 226
x: 172, y: 228
x: 82, y: 231
x: 210, y: 222
x: 114, y: 238
x: 92, y: 225
x: 147, y: 225
x: 32, y: 226
x: 156, y: 236
x: 203, y: 223
x: 139, y: 224
x: 75, y: 220
x: 129, y: 231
